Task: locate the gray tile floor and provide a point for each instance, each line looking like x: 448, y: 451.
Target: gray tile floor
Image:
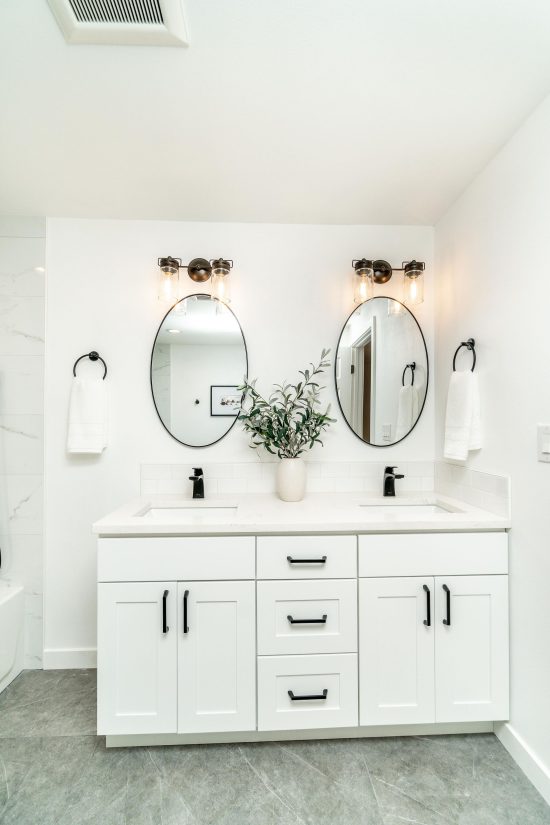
x: 55, y: 771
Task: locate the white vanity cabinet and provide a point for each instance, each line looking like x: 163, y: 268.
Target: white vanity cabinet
x: 137, y: 658
x: 471, y: 648
x: 433, y: 648
x: 220, y: 638
x: 216, y: 656
x: 177, y: 655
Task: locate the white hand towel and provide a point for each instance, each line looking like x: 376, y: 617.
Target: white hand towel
x: 407, y: 411
x: 87, y: 431
x: 463, y: 417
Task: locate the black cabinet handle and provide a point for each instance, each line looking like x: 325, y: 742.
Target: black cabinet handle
x: 447, y: 621
x: 185, y: 625
x: 165, y: 627
x: 294, y: 698
x: 322, y: 560
x: 428, y: 619
x: 308, y: 621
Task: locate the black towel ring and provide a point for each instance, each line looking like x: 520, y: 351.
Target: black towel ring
x: 93, y: 356
x: 469, y: 344
x: 412, y: 368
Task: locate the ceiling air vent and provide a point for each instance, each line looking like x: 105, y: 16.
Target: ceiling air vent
x: 122, y: 22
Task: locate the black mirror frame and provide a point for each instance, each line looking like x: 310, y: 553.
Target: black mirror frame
x: 362, y: 440
x: 184, y: 443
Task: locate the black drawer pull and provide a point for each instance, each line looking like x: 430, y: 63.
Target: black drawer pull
x: 322, y: 560
x: 308, y: 621
x: 294, y: 698
x: 185, y: 625
x: 447, y: 621
x: 428, y: 619
x: 165, y: 627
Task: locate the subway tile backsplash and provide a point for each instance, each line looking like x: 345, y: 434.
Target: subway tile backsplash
x: 484, y: 490
x: 259, y: 477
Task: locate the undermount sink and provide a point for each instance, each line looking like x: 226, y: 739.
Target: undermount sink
x: 190, y: 514
x: 409, y: 510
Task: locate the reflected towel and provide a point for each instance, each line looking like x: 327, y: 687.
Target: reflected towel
x: 87, y: 432
x: 463, y: 417
x: 407, y: 411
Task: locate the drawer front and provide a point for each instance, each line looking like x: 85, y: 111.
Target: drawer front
x: 331, y: 681
x: 307, y: 557
x: 433, y: 554
x: 176, y: 559
x: 314, y: 616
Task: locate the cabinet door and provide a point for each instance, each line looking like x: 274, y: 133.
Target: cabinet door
x: 471, y: 648
x: 137, y: 658
x: 396, y: 651
x: 216, y: 657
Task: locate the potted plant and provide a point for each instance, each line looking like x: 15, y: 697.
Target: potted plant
x: 287, y: 424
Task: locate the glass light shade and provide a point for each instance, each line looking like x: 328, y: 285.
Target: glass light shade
x: 220, y: 283
x: 168, y: 286
x: 413, y: 287
x: 363, y: 285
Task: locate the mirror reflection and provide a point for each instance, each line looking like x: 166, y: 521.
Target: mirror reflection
x: 198, y: 361
x: 381, y: 371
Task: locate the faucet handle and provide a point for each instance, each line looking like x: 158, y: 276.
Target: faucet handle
x: 197, y: 472
x: 389, y: 469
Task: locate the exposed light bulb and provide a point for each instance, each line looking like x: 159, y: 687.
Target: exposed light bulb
x: 363, y: 283
x: 413, y: 283
x: 220, y: 280
x: 168, y: 291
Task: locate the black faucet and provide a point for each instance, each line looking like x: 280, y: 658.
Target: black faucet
x: 198, y: 483
x: 389, y: 480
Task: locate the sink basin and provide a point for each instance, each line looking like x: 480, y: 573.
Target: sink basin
x: 190, y: 514
x: 408, y: 510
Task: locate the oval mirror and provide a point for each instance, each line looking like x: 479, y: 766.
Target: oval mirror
x: 381, y: 371
x: 199, y: 359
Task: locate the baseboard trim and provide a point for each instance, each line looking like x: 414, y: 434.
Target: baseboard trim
x: 433, y: 729
x: 533, y: 768
x: 70, y: 658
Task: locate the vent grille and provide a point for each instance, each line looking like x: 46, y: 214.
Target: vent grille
x: 118, y: 11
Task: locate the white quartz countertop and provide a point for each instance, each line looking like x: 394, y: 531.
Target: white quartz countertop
x: 157, y: 515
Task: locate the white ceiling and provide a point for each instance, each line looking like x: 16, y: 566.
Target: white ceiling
x: 200, y: 322
x: 306, y: 111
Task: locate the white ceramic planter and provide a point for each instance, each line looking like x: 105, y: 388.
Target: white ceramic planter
x: 291, y: 479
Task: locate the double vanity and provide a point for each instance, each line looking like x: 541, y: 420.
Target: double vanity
x: 343, y: 615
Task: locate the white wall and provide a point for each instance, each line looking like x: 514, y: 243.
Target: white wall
x: 22, y: 260
x: 194, y: 369
x: 292, y: 293
x: 493, y: 284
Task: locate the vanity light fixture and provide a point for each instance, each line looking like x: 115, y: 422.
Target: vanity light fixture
x: 220, y: 280
x: 199, y: 270
x: 363, y: 285
x: 367, y: 273
x: 169, y: 275
x: 413, y: 282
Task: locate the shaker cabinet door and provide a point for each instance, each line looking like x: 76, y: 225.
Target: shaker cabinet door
x: 137, y: 651
x: 471, y: 648
x: 216, y: 656
x: 396, y: 651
